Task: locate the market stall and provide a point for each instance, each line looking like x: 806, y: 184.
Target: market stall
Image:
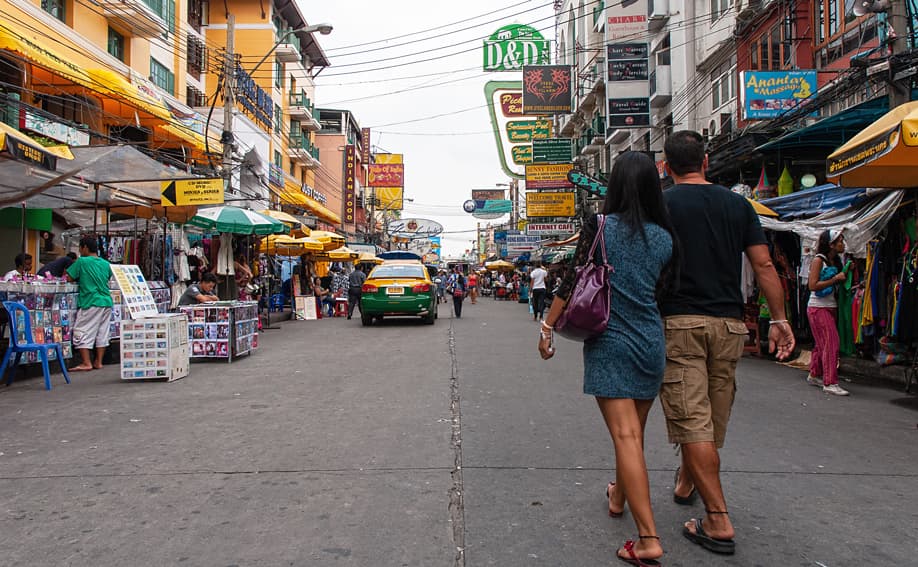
x: 223, y: 330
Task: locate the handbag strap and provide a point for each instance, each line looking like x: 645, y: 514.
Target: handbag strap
x: 600, y: 238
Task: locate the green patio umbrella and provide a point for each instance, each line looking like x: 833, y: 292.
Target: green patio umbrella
x: 234, y: 220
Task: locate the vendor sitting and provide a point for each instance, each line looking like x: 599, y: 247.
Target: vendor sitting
x: 202, y: 292
x: 23, y: 269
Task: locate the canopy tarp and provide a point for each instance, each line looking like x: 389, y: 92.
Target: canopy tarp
x: 832, y: 131
x: 861, y: 223
x: 815, y: 201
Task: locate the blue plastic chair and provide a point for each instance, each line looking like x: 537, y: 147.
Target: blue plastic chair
x: 277, y: 302
x: 12, y: 308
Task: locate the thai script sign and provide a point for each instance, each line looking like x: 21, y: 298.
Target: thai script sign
x: 768, y: 94
x: 547, y: 89
x: 511, y: 47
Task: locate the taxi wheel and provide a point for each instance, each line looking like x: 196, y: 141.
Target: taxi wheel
x: 366, y: 320
x: 429, y: 319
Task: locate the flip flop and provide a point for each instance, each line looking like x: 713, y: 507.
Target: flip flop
x: 611, y: 513
x: 633, y: 559
x: 78, y: 369
x: 683, y: 500
x: 722, y: 546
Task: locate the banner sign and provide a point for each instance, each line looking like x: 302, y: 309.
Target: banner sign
x: 552, y: 176
x: 29, y: 120
x: 549, y: 204
x: 27, y: 152
x: 386, y: 175
x: 511, y: 47
x: 414, y: 228
x: 547, y: 89
x: 487, y: 194
x: 522, y: 243
x: 350, y: 183
x: 554, y: 150
x: 183, y: 192
x: 550, y: 228
x: 769, y: 94
x: 389, y: 198
x: 513, y: 131
x: 627, y: 66
x: 365, y: 147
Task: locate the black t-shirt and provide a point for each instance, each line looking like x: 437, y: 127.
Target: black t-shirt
x: 714, y: 227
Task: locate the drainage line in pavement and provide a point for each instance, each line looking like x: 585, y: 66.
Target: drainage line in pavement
x: 456, y: 505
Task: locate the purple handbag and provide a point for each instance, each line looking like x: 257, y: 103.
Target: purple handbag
x: 586, y: 314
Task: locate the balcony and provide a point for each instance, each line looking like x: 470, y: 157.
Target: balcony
x: 657, y: 14
x: 288, y: 51
x: 301, y: 108
x: 661, y: 86
x: 618, y: 135
x: 301, y: 150
x: 144, y: 18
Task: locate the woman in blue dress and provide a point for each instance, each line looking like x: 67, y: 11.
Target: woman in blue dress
x: 623, y: 367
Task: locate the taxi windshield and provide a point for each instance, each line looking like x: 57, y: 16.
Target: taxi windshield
x: 396, y: 271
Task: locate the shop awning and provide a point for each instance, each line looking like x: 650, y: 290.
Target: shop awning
x: 25, y: 149
x: 815, y: 201
x: 196, y: 140
x: 294, y: 196
x: 832, y: 131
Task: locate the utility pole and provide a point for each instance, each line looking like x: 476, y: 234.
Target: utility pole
x: 229, y: 100
x: 899, y: 90
x: 514, y: 203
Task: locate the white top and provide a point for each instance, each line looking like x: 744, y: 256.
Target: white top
x: 825, y: 301
x: 10, y: 275
x: 538, y: 276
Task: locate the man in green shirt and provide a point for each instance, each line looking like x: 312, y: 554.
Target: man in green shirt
x: 94, y: 304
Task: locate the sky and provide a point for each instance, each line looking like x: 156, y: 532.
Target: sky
x: 434, y: 111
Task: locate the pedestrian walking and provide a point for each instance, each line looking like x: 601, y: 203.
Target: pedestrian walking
x: 623, y: 367
x: 94, y: 304
x: 458, y: 287
x: 826, y: 272
x: 537, y: 280
x: 355, y: 289
x: 705, y: 333
x: 473, y: 287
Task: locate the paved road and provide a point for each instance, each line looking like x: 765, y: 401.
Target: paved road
x: 405, y: 444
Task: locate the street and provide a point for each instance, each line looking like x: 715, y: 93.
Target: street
x: 405, y: 444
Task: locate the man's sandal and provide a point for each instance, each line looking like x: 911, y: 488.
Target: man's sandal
x: 722, y: 546
x: 633, y: 559
x: 683, y: 500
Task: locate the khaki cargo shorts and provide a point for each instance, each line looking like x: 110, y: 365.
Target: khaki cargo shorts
x: 699, y: 382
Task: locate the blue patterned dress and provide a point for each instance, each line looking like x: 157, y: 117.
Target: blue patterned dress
x: 628, y: 359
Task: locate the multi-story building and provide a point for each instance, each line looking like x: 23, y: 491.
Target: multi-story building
x: 340, y: 135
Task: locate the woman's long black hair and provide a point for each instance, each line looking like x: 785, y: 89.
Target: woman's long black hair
x: 824, y: 246
x: 635, y: 195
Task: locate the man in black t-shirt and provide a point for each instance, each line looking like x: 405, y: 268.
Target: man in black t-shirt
x: 705, y: 332
x: 201, y: 292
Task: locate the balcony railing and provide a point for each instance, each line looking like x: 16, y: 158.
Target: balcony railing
x: 661, y: 88
x: 144, y: 18
x: 288, y: 50
x: 301, y: 149
x: 302, y: 109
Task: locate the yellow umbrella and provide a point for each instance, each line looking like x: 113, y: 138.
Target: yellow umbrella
x: 329, y: 240
x: 283, y: 245
x: 761, y: 209
x: 341, y: 254
x: 881, y: 154
x: 367, y: 258
x: 500, y: 266
x: 294, y: 223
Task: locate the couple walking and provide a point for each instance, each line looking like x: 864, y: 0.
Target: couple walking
x: 675, y: 329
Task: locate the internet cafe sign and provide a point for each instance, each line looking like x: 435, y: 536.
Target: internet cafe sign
x: 513, y: 46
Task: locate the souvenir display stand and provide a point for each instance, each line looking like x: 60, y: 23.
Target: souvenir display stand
x: 155, y: 348
x: 222, y: 330
x: 52, y: 309
x: 162, y: 297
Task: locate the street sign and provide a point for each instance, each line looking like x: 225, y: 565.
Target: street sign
x: 554, y: 150
x: 549, y: 204
x: 183, y: 192
x: 549, y: 228
x: 548, y: 176
x: 521, y: 243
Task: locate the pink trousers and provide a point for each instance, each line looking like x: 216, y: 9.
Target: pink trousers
x: 824, y: 362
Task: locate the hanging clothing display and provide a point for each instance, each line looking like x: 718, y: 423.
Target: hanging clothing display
x: 225, y: 256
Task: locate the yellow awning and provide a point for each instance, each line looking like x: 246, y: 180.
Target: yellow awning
x: 192, y: 137
x: 111, y: 83
x: 298, y: 198
x: 44, y: 58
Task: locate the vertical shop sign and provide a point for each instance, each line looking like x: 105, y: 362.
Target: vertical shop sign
x: 365, y: 148
x: 547, y: 89
x: 627, y: 67
x: 350, y: 173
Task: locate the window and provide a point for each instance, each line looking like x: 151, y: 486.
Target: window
x: 161, y: 76
x: 719, y: 7
x: 839, y: 32
x: 279, y: 74
x: 194, y: 97
x: 278, y: 160
x: 115, y: 44
x: 197, y: 14
x: 54, y: 7
x: 723, y: 85
x: 278, y: 118
x: 196, y: 55
x: 773, y: 51
x: 165, y: 9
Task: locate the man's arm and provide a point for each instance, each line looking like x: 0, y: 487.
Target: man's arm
x: 780, y: 335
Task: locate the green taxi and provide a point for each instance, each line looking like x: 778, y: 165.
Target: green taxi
x: 400, y: 288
